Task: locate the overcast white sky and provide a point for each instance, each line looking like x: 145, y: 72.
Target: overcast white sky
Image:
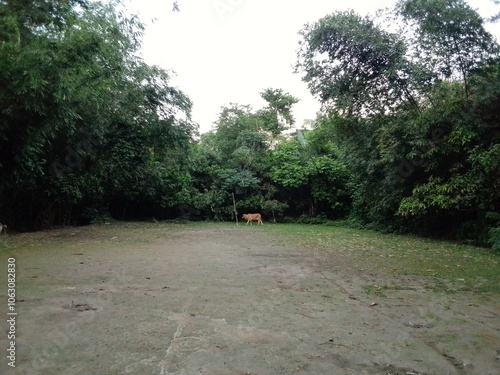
x: 227, y: 51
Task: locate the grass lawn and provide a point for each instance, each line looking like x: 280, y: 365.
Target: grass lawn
x: 468, y: 268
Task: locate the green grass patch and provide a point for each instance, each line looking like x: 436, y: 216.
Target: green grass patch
x: 462, y: 267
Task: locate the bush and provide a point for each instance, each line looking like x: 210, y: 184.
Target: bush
x: 494, y: 239
x: 316, y: 220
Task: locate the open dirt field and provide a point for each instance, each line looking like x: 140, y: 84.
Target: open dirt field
x: 225, y: 300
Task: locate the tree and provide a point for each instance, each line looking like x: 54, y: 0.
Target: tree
x: 462, y: 176
x: 412, y: 117
x: 309, y: 182
x: 23, y: 20
x: 234, y: 121
x: 495, y: 17
x: 450, y: 37
x: 277, y: 116
x: 84, y: 120
x: 288, y: 167
x: 237, y: 149
x: 354, y: 67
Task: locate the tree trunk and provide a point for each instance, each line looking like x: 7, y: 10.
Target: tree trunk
x: 235, y: 212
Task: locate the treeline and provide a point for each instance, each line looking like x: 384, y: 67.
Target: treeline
x: 86, y: 127
x: 408, y: 137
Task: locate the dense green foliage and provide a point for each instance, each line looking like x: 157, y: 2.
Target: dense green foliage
x: 86, y: 127
x: 247, y: 157
x: 418, y: 123
x: 408, y: 137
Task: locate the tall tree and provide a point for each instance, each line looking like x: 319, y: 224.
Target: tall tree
x: 277, y: 116
x: 353, y: 66
x: 82, y: 114
x: 450, y: 37
x: 414, y: 115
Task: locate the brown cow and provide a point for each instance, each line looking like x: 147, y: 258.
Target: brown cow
x: 250, y: 218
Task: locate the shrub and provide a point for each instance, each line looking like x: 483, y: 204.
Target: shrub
x: 494, y: 239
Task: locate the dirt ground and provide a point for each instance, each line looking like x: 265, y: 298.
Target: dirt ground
x: 227, y: 300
